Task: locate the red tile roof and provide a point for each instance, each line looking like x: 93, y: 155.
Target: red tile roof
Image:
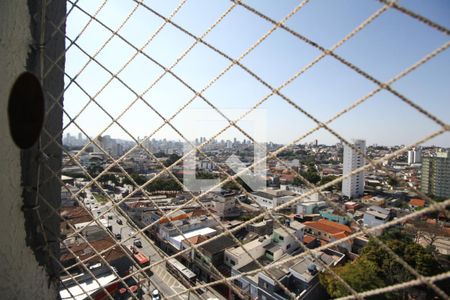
x: 75, y: 214
x: 308, y: 239
x: 328, y: 226
x: 85, y: 251
x: 417, y: 202
x: 339, y: 235
x: 195, y: 239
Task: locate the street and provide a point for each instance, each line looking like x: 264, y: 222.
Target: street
x: 160, y: 278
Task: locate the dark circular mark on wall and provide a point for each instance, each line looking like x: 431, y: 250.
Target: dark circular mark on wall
x: 26, y: 110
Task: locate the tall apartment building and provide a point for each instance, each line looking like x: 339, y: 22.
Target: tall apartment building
x: 353, y: 186
x: 436, y: 175
x: 415, y: 156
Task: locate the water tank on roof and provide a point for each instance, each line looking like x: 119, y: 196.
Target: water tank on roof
x: 312, y: 269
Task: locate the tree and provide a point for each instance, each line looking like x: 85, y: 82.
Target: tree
x: 109, y: 177
x: 425, y: 232
x: 139, y: 179
x: 326, y: 179
x: 160, y: 184
x: 231, y: 185
x: 94, y: 170
x: 393, y: 181
x: 171, y: 159
x: 362, y: 275
x: 311, y: 175
x: 205, y: 175
x: 376, y: 267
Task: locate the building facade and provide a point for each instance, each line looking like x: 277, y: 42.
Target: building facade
x: 415, y: 156
x: 353, y: 186
x: 436, y: 175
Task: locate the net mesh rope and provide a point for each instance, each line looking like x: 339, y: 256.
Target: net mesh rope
x: 372, y: 164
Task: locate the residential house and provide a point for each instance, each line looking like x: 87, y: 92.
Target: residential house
x: 335, y: 216
x: 310, y: 207
x: 351, y: 206
x: 299, y: 276
x: 271, y: 198
x: 328, y: 231
x: 373, y: 200
x: 212, y: 253
x: 375, y: 215
x: 236, y: 257
x: 416, y: 203
x: 284, y: 237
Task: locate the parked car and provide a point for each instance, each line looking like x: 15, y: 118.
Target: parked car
x: 110, y: 217
x: 137, y: 243
x: 119, y: 221
x: 118, y: 236
x: 155, y: 295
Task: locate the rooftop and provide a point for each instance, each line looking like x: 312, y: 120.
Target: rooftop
x: 75, y: 214
x: 84, y: 251
x: 378, y: 212
x: 307, y: 263
x: 176, y: 240
x: 328, y: 226
x: 217, y: 245
x: 238, y: 251
x: 272, y: 193
x: 417, y: 202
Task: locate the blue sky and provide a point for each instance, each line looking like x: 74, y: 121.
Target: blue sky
x: 384, y: 48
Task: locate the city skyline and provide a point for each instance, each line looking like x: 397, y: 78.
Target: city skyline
x: 383, y: 49
x: 306, y: 142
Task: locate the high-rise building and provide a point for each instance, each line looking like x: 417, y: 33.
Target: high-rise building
x: 410, y: 157
x: 353, y: 186
x: 436, y: 175
x: 415, y: 156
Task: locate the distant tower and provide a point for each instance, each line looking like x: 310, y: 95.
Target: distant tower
x: 418, y: 155
x: 410, y: 157
x: 353, y: 186
x: 415, y: 156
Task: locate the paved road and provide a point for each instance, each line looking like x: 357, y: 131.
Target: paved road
x: 161, y: 279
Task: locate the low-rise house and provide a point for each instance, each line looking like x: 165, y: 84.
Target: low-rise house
x: 299, y: 276
x: 213, y: 253
x: 265, y: 227
x: 271, y: 198
x: 67, y: 192
x: 225, y: 206
x: 335, y: 216
x: 285, y: 240
x: 351, y: 206
x: 102, y: 278
x: 310, y: 207
x: 375, y: 215
x: 237, y: 257
x: 173, y: 228
x: 116, y: 257
x: 373, y: 200
x: 416, y: 203
x: 328, y: 231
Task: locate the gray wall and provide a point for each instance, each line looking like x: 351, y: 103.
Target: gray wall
x: 26, y: 272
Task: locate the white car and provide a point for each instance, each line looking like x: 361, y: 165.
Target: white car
x: 155, y: 295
